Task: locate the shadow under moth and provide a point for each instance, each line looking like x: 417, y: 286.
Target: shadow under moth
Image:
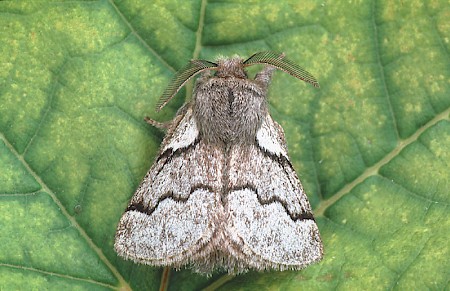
x: 222, y: 193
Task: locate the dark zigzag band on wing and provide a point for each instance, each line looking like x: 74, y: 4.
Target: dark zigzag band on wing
x: 280, y: 159
x: 170, y: 195
x: 294, y: 217
x: 139, y: 207
x: 170, y: 153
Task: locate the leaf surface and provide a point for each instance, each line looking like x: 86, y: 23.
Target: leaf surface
x: 371, y: 146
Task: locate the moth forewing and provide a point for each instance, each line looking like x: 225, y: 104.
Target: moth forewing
x: 222, y: 194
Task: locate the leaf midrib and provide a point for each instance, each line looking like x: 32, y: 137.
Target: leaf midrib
x: 373, y: 170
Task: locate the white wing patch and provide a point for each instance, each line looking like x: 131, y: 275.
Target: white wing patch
x: 269, y: 139
x: 185, y: 133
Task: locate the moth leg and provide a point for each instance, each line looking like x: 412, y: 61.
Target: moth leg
x: 157, y: 124
x: 265, y: 75
x: 169, y: 126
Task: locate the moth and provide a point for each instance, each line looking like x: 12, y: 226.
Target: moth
x: 222, y: 193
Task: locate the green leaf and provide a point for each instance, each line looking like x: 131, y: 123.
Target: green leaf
x: 371, y: 146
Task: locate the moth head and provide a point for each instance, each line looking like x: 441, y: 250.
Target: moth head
x: 233, y: 67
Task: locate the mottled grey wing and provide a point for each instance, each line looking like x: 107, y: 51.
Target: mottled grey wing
x: 270, y: 223
x: 171, y: 216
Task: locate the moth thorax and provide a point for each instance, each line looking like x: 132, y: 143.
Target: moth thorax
x: 229, y: 110
x: 231, y: 68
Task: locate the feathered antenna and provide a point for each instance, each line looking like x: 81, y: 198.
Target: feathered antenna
x: 277, y: 60
x: 196, y: 66
x: 181, y: 77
